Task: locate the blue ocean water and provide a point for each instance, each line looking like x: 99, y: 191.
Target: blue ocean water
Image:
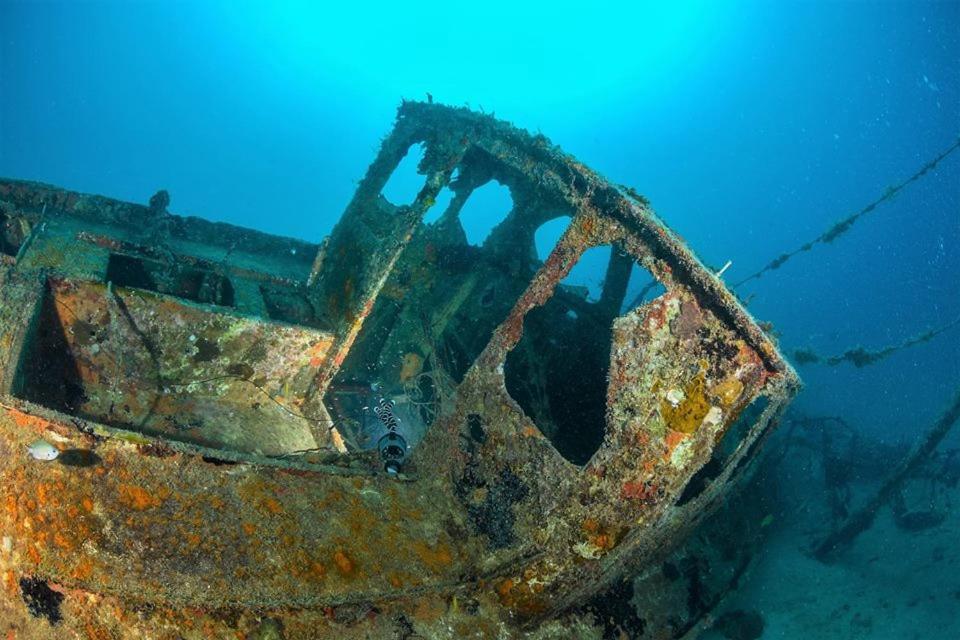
x: 752, y: 127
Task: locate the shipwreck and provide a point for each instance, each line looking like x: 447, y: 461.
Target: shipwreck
x: 392, y: 433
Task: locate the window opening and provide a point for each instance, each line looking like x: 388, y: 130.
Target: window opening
x: 435, y: 212
x: 586, y: 277
x: 405, y: 182
x: 558, y: 371
x: 438, y: 310
x: 641, y: 289
x: 548, y: 234
x: 486, y: 207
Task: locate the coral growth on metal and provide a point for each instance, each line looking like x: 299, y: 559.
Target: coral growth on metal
x: 209, y: 391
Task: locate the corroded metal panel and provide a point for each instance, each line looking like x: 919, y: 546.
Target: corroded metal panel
x: 153, y: 364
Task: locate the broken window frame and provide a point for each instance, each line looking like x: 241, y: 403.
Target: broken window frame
x: 578, y: 239
x: 449, y: 137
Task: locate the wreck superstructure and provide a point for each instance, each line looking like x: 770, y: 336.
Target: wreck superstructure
x: 210, y: 389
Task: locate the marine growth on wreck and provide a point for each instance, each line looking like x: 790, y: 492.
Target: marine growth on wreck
x: 392, y: 432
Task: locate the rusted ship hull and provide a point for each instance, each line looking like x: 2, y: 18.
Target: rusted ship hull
x: 197, y: 380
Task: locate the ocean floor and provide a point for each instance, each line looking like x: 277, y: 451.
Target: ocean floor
x: 890, y: 585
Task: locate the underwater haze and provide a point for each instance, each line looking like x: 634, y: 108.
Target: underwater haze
x: 752, y: 127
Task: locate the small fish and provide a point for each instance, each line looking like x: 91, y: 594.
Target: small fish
x: 767, y: 521
x: 42, y: 450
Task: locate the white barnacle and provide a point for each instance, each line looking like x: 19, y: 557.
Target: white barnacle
x: 675, y: 397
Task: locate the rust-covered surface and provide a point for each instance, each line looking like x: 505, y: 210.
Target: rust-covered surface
x: 209, y: 391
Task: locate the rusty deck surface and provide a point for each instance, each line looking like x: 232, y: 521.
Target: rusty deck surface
x: 205, y: 386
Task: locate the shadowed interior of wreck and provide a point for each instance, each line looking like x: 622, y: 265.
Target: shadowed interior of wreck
x: 442, y: 301
x: 49, y: 375
x: 183, y: 282
x: 12, y: 234
x: 559, y: 371
x: 448, y: 292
